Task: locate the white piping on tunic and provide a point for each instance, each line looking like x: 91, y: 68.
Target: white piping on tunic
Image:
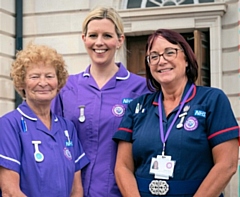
x: 124, y: 78
x: 21, y: 112
x: 86, y: 74
x: 120, y: 78
x: 82, y: 155
x: 10, y: 159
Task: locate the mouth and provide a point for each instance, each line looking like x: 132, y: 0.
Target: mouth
x: 165, y: 70
x: 42, y: 91
x: 99, y: 51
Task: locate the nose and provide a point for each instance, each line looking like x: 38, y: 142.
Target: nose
x: 42, y: 81
x: 99, y: 40
x: 161, y: 59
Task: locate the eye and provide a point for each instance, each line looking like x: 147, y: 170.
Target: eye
x: 170, y: 52
x: 153, y: 56
x: 50, y: 76
x: 92, y: 35
x: 108, y: 36
x: 34, y: 76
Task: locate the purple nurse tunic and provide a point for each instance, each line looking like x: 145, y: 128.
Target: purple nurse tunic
x: 96, y: 114
x: 45, y: 160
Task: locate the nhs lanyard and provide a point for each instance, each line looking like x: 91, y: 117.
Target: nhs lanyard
x: 164, y: 138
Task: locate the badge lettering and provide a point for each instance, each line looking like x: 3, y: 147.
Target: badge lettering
x: 200, y: 113
x: 127, y: 100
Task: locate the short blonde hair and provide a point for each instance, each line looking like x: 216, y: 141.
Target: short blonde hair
x: 102, y: 13
x: 34, y: 53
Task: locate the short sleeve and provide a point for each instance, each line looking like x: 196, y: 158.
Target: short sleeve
x: 81, y: 159
x: 222, y: 124
x: 125, y: 128
x: 10, y: 144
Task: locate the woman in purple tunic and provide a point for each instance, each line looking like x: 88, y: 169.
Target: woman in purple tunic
x: 96, y: 99
x: 40, y: 154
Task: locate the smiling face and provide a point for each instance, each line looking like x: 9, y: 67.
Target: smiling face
x: 101, y: 41
x: 41, y: 84
x: 168, y: 72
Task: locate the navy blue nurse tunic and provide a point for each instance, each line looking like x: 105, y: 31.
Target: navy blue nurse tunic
x: 209, y: 122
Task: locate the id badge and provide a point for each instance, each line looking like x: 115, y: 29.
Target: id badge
x: 162, y: 167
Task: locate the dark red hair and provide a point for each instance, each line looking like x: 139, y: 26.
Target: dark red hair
x: 174, y: 38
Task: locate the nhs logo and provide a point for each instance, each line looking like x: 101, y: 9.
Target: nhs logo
x: 127, y: 100
x: 200, y: 113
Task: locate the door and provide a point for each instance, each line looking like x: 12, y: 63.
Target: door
x: 201, y: 49
x: 136, y: 54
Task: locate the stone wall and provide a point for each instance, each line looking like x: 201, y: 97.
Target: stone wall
x: 7, y: 51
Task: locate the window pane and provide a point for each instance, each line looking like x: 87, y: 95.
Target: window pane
x: 159, y: 3
x: 134, y: 3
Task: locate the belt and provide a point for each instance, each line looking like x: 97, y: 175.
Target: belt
x: 162, y: 187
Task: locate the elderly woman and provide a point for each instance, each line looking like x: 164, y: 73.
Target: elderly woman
x: 40, y: 154
x: 190, y: 130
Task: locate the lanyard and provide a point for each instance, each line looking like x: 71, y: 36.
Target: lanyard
x: 164, y: 139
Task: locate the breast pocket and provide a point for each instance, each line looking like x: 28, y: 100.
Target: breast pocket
x: 194, y: 124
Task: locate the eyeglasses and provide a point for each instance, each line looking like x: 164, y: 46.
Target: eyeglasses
x: 169, y: 54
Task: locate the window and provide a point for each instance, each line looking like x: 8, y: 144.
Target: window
x: 128, y: 4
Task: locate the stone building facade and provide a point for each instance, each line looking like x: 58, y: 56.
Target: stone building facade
x: 58, y: 23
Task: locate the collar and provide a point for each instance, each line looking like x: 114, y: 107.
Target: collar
x: 26, y: 111
x: 122, y: 74
x: 191, y: 96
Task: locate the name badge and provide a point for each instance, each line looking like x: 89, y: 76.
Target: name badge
x: 162, y: 167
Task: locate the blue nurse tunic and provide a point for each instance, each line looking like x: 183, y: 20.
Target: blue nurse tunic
x: 50, y: 172
x: 209, y: 121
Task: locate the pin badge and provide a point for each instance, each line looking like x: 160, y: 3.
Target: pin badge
x: 67, y: 153
x: 24, y: 125
x: 191, y: 124
x: 138, y: 108
x: 81, y: 111
x: 118, y: 110
x: 39, y: 157
x: 182, y: 116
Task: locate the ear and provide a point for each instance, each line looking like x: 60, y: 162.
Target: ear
x: 120, y: 41
x: 58, y: 89
x: 21, y: 87
x: 83, y: 37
